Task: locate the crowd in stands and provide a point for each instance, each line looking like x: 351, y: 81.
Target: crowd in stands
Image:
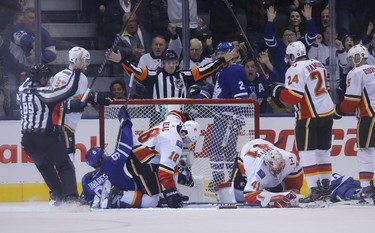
x: 157, y: 26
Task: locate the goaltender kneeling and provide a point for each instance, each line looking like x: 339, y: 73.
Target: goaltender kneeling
x: 268, y: 176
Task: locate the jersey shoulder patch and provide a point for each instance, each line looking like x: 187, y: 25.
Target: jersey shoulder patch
x: 179, y: 143
x: 261, y: 173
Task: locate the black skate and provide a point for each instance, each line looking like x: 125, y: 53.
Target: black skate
x: 319, y: 195
x: 365, y: 196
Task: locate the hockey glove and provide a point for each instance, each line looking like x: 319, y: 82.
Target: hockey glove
x: 282, y: 201
x: 274, y: 90
x: 337, y: 115
x: 173, y: 197
x: 73, y: 105
x: 100, y: 98
x: 185, y: 176
x: 276, y: 200
x: 124, y: 117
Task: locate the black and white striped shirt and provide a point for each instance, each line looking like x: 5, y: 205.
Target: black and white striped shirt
x: 40, y: 106
x: 164, y: 85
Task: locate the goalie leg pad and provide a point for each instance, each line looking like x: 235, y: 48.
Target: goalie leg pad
x: 225, y: 192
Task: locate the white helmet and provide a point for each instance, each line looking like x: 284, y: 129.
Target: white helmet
x: 297, y: 48
x: 192, y: 131
x: 360, y: 50
x: 274, y: 161
x: 74, y: 53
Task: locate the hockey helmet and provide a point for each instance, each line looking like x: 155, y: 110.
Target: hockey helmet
x: 360, y: 50
x: 191, y: 130
x: 297, y: 49
x: 169, y: 55
x: 274, y: 161
x: 39, y: 71
x: 75, y: 52
x: 224, y: 47
x: 95, y: 156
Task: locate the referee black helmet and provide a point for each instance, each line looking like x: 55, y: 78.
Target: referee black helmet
x: 39, y: 71
x: 169, y: 55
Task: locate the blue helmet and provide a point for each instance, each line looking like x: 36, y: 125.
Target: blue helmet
x: 94, y: 156
x: 225, y: 47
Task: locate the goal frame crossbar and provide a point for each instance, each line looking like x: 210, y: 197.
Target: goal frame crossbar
x: 179, y: 101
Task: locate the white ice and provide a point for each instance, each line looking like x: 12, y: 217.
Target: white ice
x: 39, y: 217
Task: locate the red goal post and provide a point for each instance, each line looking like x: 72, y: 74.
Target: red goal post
x: 226, y: 124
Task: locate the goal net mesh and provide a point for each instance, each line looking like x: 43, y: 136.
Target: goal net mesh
x: 226, y: 125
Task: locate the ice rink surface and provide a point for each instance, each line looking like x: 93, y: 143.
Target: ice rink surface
x: 39, y: 217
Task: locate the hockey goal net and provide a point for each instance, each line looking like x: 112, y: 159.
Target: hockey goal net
x: 226, y: 124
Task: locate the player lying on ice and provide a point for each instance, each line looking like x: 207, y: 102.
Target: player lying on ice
x: 263, y: 174
x: 151, y: 162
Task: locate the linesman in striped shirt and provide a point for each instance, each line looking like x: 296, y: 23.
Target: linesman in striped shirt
x: 40, y: 129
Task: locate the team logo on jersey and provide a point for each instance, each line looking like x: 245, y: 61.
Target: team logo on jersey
x: 261, y: 173
x: 179, y: 143
x: 179, y: 83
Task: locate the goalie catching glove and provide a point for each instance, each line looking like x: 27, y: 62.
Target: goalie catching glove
x: 276, y: 200
x: 100, y: 98
x: 173, y: 198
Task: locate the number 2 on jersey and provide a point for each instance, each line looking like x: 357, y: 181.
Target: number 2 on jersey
x: 293, y: 80
x: 319, y: 88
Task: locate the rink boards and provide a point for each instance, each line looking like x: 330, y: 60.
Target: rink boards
x: 20, y: 181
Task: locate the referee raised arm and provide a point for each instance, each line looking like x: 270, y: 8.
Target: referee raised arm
x: 168, y: 81
x: 40, y: 130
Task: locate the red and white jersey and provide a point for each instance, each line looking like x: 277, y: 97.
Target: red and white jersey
x: 258, y: 174
x: 162, y: 144
x: 360, y: 91
x: 306, y: 89
x: 61, y: 78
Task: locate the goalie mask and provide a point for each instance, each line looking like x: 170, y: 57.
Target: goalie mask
x: 75, y: 52
x: 274, y: 161
x: 297, y: 49
x: 95, y: 156
x: 190, y: 132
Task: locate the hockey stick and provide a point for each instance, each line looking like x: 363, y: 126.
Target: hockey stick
x: 263, y: 73
x: 127, y: 97
x: 219, y: 205
x: 114, y: 44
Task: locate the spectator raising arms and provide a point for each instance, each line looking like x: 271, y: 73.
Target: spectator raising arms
x: 277, y: 47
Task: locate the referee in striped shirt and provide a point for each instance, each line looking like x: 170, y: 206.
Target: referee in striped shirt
x: 168, y: 81
x: 40, y: 129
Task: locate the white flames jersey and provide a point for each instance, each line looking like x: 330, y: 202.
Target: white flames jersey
x: 61, y: 78
x: 257, y: 173
x: 307, y: 80
x: 164, y: 143
x: 360, y: 88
